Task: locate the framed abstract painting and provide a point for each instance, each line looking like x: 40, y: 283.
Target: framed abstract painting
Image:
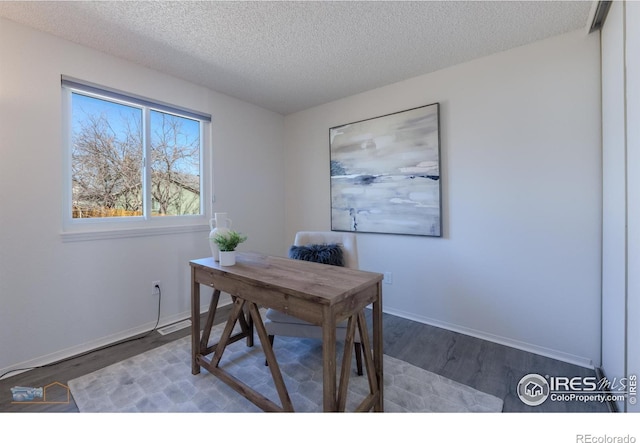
x: 385, y: 174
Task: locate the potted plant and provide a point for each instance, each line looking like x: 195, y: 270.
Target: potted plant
x: 227, y: 243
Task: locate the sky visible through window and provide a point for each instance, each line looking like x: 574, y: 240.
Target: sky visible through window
x: 117, y: 113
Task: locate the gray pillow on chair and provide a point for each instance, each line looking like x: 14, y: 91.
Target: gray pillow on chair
x: 328, y: 254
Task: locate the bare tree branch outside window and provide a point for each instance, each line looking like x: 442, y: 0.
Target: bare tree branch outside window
x: 107, y: 161
x: 175, y: 166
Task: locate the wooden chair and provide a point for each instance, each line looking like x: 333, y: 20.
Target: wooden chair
x: 279, y: 323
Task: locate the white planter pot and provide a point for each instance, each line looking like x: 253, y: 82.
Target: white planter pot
x: 227, y: 258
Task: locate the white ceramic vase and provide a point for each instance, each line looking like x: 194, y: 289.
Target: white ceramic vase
x: 227, y: 258
x: 219, y: 224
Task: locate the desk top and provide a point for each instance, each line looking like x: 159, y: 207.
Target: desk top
x: 324, y: 284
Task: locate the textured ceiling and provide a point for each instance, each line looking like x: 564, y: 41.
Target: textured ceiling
x: 289, y: 56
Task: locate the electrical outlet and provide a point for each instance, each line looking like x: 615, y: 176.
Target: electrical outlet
x: 155, y: 290
x: 388, y: 278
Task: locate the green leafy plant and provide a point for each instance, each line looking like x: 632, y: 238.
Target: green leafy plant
x: 228, y: 241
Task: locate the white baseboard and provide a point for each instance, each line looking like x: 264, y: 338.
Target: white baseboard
x: 95, y: 344
x: 523, y: 346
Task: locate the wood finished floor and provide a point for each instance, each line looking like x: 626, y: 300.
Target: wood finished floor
x: 483, y: 365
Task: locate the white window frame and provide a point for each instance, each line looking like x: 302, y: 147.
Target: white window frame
x: 81, y: 229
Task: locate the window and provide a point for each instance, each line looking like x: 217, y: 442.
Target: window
x: 130, y: 159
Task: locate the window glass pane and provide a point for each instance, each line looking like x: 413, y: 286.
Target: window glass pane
x: 106, y: 158
x: 175, y: 165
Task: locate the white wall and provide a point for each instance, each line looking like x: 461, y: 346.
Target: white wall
x: 60, y: 298
x: 519, y: 261
x: 621, y: 196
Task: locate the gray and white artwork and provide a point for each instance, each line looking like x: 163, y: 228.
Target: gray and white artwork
x: 385, y: 174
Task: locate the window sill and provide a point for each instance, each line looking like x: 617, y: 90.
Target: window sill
x: 129, y: 233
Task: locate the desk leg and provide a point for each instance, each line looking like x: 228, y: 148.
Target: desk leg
x: 278, y: 381
x: 246, y: 323
x: 195, y: 322
x: 211, y: 315
x: 346, y: 363
x: 329, y: 399
x: 377, y: 348
x: 236, y: 312
x: 250, y: 331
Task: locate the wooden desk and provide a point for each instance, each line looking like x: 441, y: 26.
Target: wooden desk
x: 320, y: 294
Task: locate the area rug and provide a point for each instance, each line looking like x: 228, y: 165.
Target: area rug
x: 160, y: 380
